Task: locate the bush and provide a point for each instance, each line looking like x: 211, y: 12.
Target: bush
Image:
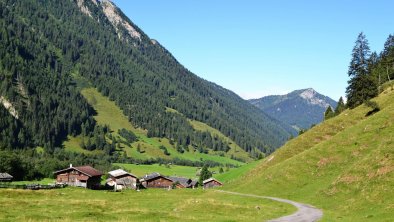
x: 373, y: 105
x: 165, y: 151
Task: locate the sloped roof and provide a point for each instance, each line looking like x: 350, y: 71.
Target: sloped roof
x: 90, y: 171
x: 151, y: 176
x: 194, y: 183
x: 5, y: 176
x: 87, y: 170
x: 183, y: 181
x: 211, y: 179
x: 120, y: 172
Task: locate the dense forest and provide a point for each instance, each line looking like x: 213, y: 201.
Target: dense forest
x: 44, y: 44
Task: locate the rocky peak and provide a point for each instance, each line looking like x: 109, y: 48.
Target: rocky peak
x: 111, y: 12
x: 83, y: 8
x: 308, y: 93
x: 312, y: 97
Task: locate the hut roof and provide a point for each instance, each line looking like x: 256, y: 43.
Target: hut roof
x: 151, y: 176
x: 211, y: 179
x: 6, y: 176
x: 87, y: 170
x: 194, y: 183
x: 120, y: 172
x: 183, y: 181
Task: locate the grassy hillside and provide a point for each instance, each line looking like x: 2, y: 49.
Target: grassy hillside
x: 344, y: 166
x: 236, y: 173
x: 235, y: 149
x: 76, y: 204
x: 108, y: 113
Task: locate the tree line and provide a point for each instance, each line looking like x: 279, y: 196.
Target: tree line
x: 368, y: 71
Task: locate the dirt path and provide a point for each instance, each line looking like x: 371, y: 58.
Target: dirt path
x: 305, y: 213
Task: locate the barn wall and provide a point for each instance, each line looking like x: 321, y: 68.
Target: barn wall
x: 159, y: 183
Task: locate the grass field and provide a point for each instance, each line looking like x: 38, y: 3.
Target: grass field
x: 344, y: 166
x: 110, y: 114
x: 78, y: 204
x: 235, y: 174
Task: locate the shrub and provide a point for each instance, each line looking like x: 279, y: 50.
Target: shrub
x: 374, y: 106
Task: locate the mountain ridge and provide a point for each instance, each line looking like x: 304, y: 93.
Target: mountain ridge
x: 95, y: 40
x: 300, y: 108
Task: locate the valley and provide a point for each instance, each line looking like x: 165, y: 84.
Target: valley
x: 99, y: 121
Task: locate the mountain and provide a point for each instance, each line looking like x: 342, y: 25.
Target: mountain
x: 300, y: 109
x: 344, y: 166
x: 51, y: 50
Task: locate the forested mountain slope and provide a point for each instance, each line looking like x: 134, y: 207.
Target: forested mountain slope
x: 45, y: 44
x: 344, y: 166
x: 300, y: 109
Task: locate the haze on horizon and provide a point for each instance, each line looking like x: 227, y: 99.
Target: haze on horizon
x: 258, y: 48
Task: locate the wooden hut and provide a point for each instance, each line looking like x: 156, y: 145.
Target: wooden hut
x: 5, y: 177
x: 122, y: 180
x: 82, y: 176
x: 181, y: 182
x: 211, y: 182
x: 155, y: 180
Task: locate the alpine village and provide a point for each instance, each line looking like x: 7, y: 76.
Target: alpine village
x: 100, y: 122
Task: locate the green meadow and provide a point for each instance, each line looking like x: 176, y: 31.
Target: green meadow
x: 78, y: 204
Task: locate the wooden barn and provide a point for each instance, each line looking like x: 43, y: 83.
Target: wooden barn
x: 82, y: 176
x: 182, y: 182
x: 5, y: 177
x: 122, y: 180
x: 155, y: 180
x: 211, y: 182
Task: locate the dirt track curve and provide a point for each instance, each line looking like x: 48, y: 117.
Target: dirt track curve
x: 305, y: 212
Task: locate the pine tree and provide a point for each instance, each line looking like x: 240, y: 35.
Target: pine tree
x: 387, y: 57
x: 340, y: 106
x: 205, y: 174
x: 388, y: 46
x: 329, y: 113
x: 361, y: 84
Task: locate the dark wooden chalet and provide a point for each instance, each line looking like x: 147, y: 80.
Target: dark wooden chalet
x: 155, y: 180
x: 182, y: 182
x: 122, y: 180
x: 5, y: 177
x: 211, y: 182
x: 82, y: 176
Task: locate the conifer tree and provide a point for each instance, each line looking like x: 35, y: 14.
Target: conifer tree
x: 340, y: 106
x: 329, y: 113
x: 387, y: 57
x: 388, y: 46
x: 205, y: 174
x: 362, y: 85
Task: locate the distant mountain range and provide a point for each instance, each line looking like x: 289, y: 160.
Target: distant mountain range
x: 299, y: 109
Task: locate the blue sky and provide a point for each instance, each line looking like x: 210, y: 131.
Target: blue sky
x: 258, y: 47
